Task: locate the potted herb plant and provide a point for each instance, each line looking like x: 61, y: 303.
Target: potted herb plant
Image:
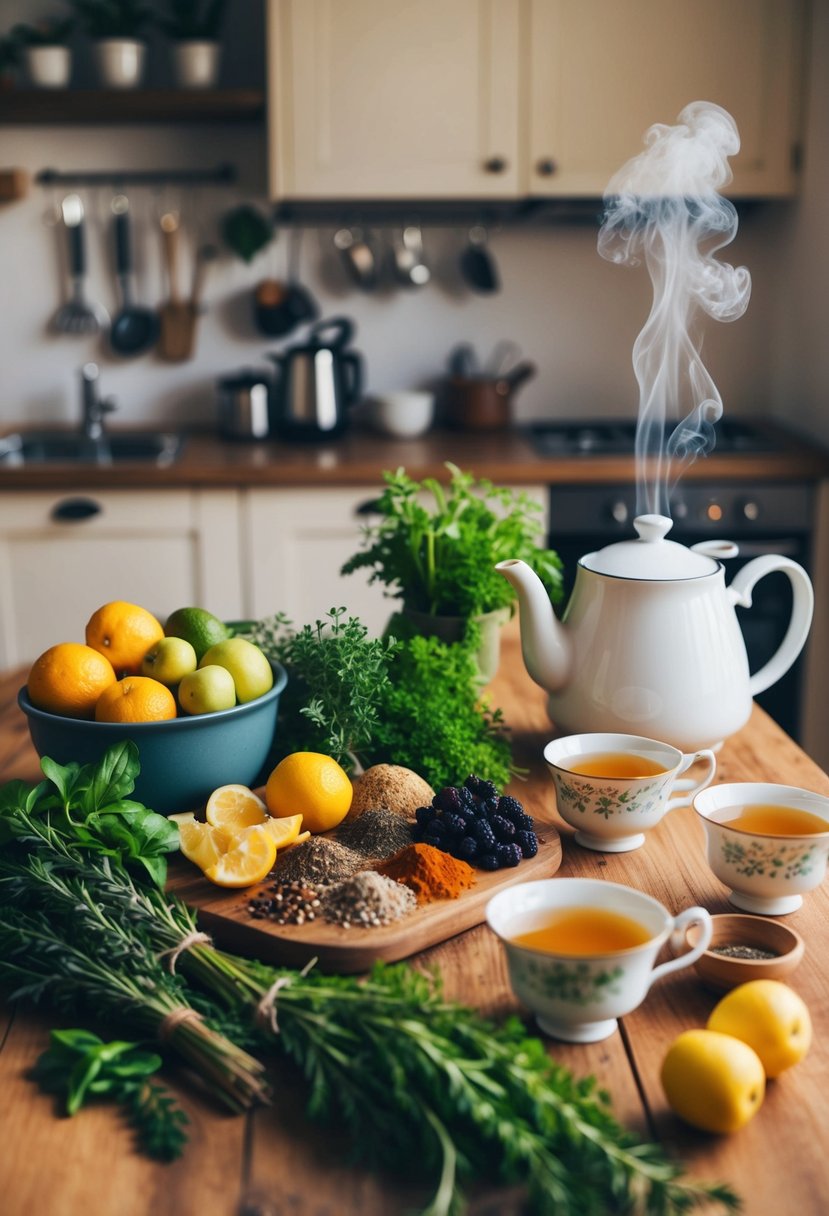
x: 116, y: 26
x: 434, y: 547
x: 194, y: 27
x: 48, y: 59
x: 9, y: 59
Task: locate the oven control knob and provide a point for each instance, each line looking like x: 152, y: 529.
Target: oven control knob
x: 751, y: 510
x: 680, y: 510
x: 619, y: 511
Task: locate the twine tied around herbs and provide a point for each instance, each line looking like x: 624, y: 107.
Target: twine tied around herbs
x: 175, y: 1018
x: 266, y: 1009
x: 195, y: 938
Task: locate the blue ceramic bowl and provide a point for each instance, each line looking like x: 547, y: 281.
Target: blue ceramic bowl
x: 182, y: 760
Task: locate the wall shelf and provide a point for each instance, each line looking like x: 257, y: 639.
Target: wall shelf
x: 111, y: 106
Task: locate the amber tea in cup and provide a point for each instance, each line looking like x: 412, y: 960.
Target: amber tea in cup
x: 613, y: 765
x: 580, y: 931
x: 768, y: 819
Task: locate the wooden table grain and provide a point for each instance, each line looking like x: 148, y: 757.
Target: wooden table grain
x: 273, y: 1163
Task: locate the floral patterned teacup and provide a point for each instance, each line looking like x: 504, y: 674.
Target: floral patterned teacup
x: 612, y: 814
x: 578, y: 998
x: 766, y: 874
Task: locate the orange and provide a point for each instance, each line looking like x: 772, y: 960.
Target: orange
x: 312, y: 785
x: 124, y: 633
x: 68, y: 679
x: 135, y: 699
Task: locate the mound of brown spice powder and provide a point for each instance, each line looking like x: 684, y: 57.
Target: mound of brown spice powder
x: 429, y: 872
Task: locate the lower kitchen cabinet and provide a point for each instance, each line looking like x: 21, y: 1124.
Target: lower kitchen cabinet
x: 299, y: 539
x: 62, y: 555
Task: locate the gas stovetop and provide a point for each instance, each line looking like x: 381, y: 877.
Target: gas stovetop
x: 615, y: 437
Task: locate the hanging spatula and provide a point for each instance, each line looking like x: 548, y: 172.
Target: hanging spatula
x: 176, y: 317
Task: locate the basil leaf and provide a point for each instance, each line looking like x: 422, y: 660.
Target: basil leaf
x: 156, y: 867
x: 63, y: 776
x: 156, y: 833
x: 114, y: 776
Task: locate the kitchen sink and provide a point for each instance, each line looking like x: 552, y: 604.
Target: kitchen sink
x: 71, y: 447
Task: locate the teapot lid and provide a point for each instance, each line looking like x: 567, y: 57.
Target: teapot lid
x: 651, y: 556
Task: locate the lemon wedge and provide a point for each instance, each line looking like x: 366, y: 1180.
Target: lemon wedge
x: 284, y: 831
x: 182, y: 817
x: 301, y: 838
x: 235, y: 807
x: 249, y: 860
x: 203, y: 844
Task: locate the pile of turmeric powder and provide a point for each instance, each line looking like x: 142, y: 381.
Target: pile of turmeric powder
x: 429, y: 872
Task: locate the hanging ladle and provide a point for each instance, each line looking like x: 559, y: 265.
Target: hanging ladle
x: 134, y: 329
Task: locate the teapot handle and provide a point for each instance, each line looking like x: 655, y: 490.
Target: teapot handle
x: 739, y: 592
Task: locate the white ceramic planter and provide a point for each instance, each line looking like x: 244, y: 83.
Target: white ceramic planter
x: 49, y: 67
x: 196, y: 64
x: 120, y: 62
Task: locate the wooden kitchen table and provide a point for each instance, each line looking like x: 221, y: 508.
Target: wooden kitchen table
x: 272, y: 1163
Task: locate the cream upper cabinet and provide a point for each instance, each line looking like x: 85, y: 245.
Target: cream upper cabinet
x: 62, y: 555
x: 394, y: 98
x: 601, y: 72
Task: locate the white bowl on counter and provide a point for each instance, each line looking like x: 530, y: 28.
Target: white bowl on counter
x: 403, y: 415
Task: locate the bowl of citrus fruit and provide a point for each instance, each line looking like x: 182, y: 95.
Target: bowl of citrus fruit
x: 199, y: 702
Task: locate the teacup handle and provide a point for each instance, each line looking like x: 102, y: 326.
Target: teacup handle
x: 688, y: 786
x: 691, y: 916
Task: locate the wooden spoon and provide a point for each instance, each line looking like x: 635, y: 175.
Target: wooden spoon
x: 176, y: 316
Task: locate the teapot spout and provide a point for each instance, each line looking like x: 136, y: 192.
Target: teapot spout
x: 545, y: 645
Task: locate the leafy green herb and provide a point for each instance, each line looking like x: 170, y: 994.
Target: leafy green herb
x: 338, y: 679
x: 419, y: 1082
x: 112, y: 18
x: 79, y: 1065
x: 432, y: 717
x: 89, y: 804
x: 194, y: 19
x: 440, y: 558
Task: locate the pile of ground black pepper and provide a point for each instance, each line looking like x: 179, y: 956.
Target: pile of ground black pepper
x: 376, y: 833
x: 367, y: 900
x: 748, y: 952
x: 317, y: 863
x: 287, y: 903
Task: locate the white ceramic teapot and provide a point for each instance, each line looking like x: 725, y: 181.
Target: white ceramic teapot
x: 649, y: 642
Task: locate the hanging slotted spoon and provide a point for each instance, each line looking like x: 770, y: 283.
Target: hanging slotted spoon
x: 78, y: 315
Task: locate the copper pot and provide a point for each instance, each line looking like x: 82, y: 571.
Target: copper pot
x: 483, y: 403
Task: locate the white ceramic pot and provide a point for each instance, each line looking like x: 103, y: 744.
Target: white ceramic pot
x: 120, y: 62
x: 612, y: 814
x: 49, y: 67
x: 196, y: 64
x: 578, y: 998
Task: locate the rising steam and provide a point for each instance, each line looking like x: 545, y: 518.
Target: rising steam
x: 663, y: 207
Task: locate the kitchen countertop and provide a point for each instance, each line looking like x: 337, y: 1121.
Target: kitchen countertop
x: 359, y: 457
x: 272, y: 1162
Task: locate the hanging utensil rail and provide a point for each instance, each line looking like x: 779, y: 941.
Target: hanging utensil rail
x: 222, y: 175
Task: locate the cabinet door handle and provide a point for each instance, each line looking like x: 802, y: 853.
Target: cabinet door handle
x: 72, y: 510
x: 546, y: 167
x: 496, y: 164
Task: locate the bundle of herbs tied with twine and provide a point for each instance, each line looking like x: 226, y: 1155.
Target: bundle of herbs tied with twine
x: 419, y: 1083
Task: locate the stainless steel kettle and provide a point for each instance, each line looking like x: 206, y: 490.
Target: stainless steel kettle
x: 316, y: 383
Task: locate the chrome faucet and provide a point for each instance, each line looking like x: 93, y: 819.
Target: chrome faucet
x: 95, y: 407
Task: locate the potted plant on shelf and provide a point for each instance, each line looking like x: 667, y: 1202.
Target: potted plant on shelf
x: 48, y: 59
x: 115, y: 26
x: 438, y: 556
x: 194, y: 27
x: 9, y: 59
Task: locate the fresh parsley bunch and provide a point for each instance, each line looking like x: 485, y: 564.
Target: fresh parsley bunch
x: 438, y: 557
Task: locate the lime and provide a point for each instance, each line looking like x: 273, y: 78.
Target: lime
x: 198, y: 627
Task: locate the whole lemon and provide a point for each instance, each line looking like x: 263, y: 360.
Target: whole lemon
x: 312, y: 785
x: 771, y: 1018
x: 713, y: 1081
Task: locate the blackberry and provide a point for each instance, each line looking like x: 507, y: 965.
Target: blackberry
x: 447, y: 799
x: 435, y: 841
x: 508, y: 807
x: 436, y: 828
x: 489, y: 807
x: 468, y: 799
x: 508, y: 854
x: 527, y: 843
x: 454, y: 825
x: 503, y: 829
x: 467, y: 849
x: 484, y: 834
x: 523, y: 823
x: 486, y: 789
x: 488, y: 861
x: 424, y: 815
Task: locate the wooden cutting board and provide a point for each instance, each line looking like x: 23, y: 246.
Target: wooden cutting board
x: 224, y: 915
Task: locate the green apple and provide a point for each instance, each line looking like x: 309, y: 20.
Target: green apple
x: 251, y: 671
x: 169, y: 661
x: 207, y: 690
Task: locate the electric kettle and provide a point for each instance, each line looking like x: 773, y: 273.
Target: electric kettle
x: 316, y: 383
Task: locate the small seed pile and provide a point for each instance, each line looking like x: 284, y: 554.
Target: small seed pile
x: 367, y: 900
x: 317, y: 863
x: 749, y: 952
x: 377, y: 833
x: 287, y: 903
